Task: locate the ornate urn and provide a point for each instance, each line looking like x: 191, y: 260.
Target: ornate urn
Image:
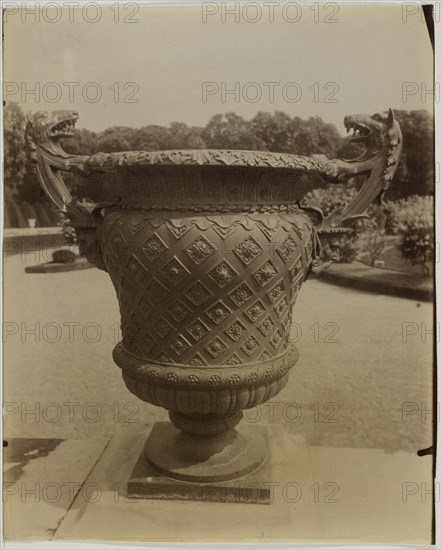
x: 207, y: 251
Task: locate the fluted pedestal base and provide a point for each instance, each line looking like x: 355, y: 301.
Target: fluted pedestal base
x: 229, y: 467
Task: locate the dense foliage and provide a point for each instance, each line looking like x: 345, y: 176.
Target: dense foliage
x: 14, y: 151
x: 330, y: 198
x: 415, y: 174
x: 401, y: 211
x: 413, y: 221
x: 276, y: 132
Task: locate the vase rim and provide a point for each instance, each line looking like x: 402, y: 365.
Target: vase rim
x: 223, y: 158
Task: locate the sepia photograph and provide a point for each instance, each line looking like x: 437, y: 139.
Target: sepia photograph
x: 221, y: 257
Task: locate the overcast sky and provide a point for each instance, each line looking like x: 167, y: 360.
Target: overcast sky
x: 359, y: 61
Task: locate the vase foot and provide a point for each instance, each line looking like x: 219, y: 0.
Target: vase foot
x: 231, y: 467
x: 205, y: 426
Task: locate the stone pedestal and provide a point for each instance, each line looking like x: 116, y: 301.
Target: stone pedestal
x: 221, y: 468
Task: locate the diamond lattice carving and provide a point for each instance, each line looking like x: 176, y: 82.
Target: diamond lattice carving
x: 180, y: 345
x: 236, y: 330
x: 216, y: 347
x: 154, y: 247
x: 248, y: 250
x: 218, y: 312
x: 287, y: 249
x: 255, y: 311
x: 198, y: 293
x: 135, y: 269
x: 178, y: 311
x: 157, y: 291
x: 265, y: 273
x: 118, y: 245
x: 234, y: 360
x: 163, y: 327
x: 223, y: 274
x: 174, y: 271
x: 198, y: 329
x: 250, y: 346
x: 276, y: 292
x: 200, y: 249
x: 197, y: 361
x: 241, y: 294
x: 266, y: 325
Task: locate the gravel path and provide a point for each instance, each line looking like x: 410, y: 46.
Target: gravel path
x: 361, y: 381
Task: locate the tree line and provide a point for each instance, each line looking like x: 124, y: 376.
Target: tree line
x: 277, y: 132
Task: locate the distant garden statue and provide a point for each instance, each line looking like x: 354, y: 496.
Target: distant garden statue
x: 207, y: 251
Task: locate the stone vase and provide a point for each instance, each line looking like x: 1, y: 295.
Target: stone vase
x: 207, y: 251
x: 207, y: 259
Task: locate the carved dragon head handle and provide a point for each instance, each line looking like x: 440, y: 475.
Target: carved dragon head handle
x: 381, y: 138
x: 44, y: 130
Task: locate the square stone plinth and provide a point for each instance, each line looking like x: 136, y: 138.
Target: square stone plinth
x: 253, y: 487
